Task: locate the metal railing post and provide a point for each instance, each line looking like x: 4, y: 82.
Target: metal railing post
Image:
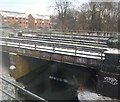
x: 16, y: 92
x: 53, y: 48
x: 102, y: 52
x: 35, y: 45
x: 75, y: 50
x: 19, y: 43
x: 6, y: 41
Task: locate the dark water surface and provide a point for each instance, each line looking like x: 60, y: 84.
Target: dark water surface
x: 57, y: 81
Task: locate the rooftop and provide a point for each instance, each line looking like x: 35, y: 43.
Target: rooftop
x: 13, y: 14
x: 37, y: 16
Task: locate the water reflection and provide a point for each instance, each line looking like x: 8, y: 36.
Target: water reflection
x: 57, y: 81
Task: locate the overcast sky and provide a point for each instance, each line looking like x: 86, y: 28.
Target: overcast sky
x: 30, y: 6
x: 34, y: 6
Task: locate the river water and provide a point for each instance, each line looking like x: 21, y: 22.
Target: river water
x: 58, y: 81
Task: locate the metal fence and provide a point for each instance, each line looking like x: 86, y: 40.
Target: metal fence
x: 90, y: 51
x: 70, y: 32
x: 16, y: 96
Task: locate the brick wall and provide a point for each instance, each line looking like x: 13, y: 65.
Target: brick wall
x: 26, y: 22
x: 31, y: 21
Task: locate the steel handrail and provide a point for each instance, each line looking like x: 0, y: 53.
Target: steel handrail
x: 44, y: 41
x: 58, y: 31
x: 36, y: 45
x: 9, y: 95
x: 24, y: 90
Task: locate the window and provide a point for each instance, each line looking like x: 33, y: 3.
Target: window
x: 5, y: 20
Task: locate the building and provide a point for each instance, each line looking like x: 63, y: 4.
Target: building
x: 32, y: 21
x: 15, y: 19
x: 38, y: 21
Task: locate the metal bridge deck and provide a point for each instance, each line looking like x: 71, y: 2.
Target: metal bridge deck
x: 75, y: 49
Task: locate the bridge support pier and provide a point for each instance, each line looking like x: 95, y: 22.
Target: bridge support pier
x: 108, y: 84
x: 109, y: 77
x: 21, y: 65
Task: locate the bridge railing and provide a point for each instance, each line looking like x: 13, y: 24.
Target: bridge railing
x: 53, y: 47
x: 82, y: 39
x: 66, y: 33
x: 85, y: 35
x: 71, y: 32
x: 78, y: 37
x: 23, y: 90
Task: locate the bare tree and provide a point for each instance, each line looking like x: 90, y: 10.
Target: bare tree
x: 94, y: 16
x: 62, y: 8
x: 99, y: 16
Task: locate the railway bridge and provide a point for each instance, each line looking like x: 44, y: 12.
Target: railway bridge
x: 86, y: 50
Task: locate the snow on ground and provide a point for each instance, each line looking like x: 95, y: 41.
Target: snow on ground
x: 9, y: 89
x: 87, y: 95
x: 4, y: 86
x: 112, y: 51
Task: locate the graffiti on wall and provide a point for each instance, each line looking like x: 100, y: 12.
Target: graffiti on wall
x: 110, y: 80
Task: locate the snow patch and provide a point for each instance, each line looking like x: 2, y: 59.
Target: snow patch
x: 87, y: 95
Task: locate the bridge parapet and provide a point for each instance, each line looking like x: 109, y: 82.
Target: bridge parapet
x: 70, y: 32
x: 109, y: 75
x: 68, y: 53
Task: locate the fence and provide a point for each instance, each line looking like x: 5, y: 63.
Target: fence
x: 87, y: 50
x: 16, y: 87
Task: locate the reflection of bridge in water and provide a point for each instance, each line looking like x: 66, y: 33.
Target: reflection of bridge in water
x: 88, y: 50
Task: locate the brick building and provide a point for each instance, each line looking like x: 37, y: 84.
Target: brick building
x: 15, y: 19
x: 38, y: 21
